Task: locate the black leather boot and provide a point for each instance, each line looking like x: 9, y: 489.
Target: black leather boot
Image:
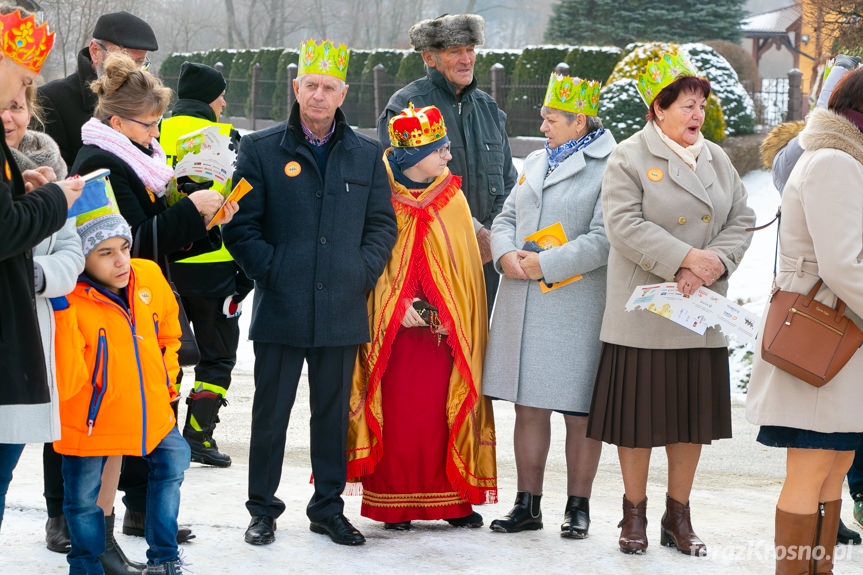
x: 202, y: 416
x: 133, y: 524
x: 113, y: 560
x: 524, y: 516
x: 57, y: 534
x: 576, y: 518
x: 845, y: 536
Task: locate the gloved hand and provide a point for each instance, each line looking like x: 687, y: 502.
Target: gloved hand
x: 846, y: 61
x: 232, y: 308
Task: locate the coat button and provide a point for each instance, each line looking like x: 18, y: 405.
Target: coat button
x: 705, y: 219
x: 681, y: 220
x: 323, y: 240
x: 319, y: 285
x: 493, y: 190
x: 319, y: 193
x: 645, y: 265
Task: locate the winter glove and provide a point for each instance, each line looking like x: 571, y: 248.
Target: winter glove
x: 38, y: 277
x: 232, y: 308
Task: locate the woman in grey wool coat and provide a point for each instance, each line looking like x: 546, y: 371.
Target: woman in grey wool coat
x: 543, y: 348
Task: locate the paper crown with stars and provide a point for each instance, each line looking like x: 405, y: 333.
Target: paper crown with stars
x: 661, y: 72
x: 23, y: 41
x: 326, y: 58
x: 416, y: 127
x: 572, y: 94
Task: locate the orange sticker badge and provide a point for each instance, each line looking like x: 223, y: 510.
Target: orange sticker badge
x: 145, y: 295
x: 521, y: 180
x: 654, y: 174
x: 292, y: 169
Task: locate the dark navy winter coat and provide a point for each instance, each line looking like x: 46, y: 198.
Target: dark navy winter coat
x: 314, y: 243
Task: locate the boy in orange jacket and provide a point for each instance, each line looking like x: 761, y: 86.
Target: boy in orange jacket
x: 117, y: 341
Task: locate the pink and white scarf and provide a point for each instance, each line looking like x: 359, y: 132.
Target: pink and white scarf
x: 153, y: 170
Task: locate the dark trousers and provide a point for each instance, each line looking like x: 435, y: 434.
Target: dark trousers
x: 217, y: 337
x: 492, y: 280
x: 277, y: 373
x: 52, y: 480
x: 10, y: 453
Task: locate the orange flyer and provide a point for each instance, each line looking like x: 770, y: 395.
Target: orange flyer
x: 241, y: 189
x: 551, y: 237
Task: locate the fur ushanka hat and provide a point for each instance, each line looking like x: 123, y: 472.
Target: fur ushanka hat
x: 447, y: 31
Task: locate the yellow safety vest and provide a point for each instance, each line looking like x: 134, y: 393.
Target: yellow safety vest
x: 171, y: 130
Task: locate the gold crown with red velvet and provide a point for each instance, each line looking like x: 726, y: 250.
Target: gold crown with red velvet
x: 416, y: 127
x: 23, y: 41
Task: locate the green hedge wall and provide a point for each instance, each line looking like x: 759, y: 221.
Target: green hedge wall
x: 485, y: 59
x: 593, y: 62
x: 238, y: 88
x: 278, y: 111
x: 411, y: 68
x: 268, y: 58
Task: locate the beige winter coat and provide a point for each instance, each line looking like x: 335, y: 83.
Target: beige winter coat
x: 656, y: 209
x: 821, y: 235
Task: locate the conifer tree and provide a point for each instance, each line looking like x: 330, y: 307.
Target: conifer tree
x: 619, y: 22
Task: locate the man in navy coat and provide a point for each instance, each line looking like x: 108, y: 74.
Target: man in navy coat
x: 315, y: 233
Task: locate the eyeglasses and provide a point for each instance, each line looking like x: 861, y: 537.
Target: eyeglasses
x: 444, y: 150
x: 142, y: 64
x: 149, y: 126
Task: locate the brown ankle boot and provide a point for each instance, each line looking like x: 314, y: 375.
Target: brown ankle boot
x: 794, y: 538
x: 633, y: 527
x: 825, y: 540
x: 676, y: 529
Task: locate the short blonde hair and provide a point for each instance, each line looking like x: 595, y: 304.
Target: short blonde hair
x: 126, y: 91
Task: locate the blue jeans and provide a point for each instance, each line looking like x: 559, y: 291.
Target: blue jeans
x: 855, y: 474
x: 83, y: 476
x: 9, y: 455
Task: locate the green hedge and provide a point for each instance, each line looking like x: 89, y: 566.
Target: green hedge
x: 268, y: 58
x: 238, y: 87
x: 485, y: 59
x: 278, y: 111
x: 593, y: 62
x: 226, y: 57
x: 169, y: 71
x: 621, y: 108
x: 411, y: 68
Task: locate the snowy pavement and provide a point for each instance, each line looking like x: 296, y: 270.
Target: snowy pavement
x: 733, y: 499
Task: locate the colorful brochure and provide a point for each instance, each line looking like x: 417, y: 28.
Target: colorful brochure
x: 551, y: 237
x: 241, y: 189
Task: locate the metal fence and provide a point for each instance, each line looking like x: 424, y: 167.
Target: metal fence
x: 770, y: 102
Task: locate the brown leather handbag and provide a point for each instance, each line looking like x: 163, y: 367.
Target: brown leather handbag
x: 808, y: 339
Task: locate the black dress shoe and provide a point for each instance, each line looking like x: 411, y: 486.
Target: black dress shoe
x: 261, y: 530
x: 133, y: 524
x: 576, y: 518
x: 400, y: 526
x: 845, y: 536
x: 57, y: 534
x: 339, y: 529
x: 524, y: 516
x: 473, y: 521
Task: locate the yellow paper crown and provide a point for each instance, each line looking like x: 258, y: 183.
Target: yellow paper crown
x: 23, y: 41
x: 572, y: 94
x: 661, y: 72
x: 828, y: 67
x: 416, y: 127
x: 326, y: 59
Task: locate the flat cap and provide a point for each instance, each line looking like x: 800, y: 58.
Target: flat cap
x: 126, y: 30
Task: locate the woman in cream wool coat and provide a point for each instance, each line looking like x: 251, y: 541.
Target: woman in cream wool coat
x: 821, y: 235
x: 675, y: 211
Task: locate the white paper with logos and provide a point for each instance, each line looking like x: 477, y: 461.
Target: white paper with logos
x: 210, y: 155
x: 705, y: 308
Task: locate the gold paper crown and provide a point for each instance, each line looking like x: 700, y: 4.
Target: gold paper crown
x: 414, y: 127
x: 324, y: 59
x: 23, y: 41
x: 661, y: 72
x: 572, y: 95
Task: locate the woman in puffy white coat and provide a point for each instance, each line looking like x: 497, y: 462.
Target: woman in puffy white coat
x: 821, y: 236
x: 58, y: 261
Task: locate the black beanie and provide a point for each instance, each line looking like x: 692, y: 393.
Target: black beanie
x: 200, y: 82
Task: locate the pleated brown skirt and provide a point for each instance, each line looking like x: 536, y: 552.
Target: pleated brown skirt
x: 656, y: 397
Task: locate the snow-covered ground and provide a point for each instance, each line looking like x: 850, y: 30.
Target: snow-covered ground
x: 732, y: 502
